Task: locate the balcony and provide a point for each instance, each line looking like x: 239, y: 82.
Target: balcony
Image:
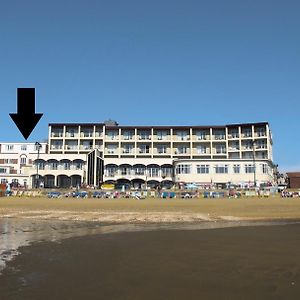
x: 204, y: 151
x: 72, y: 135
x: 201, y: 137
x: 71, y: 147
x: 144, y: 151
x: 112, y: 137
x: 86, y: 147
x: 161, y: 138
x: 233, y: 136
x: 128, y: 151
x: 56, y: 147
x: 233, y: 148
x: 247, y: 134
x: 161, y: 151
x: 182, y: 152
x: 86, y: 134
x: 219, y: 137
x: 111, y: 151
x: 127, y: 137
x: 57, y: 134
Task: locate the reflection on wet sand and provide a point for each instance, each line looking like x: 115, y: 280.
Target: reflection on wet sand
x: 15, y: 233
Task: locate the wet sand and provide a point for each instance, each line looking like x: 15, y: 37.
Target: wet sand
x: 231, y: 263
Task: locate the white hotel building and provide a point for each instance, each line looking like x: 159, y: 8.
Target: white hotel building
x: 99, y: 153
x: 16, y: 162
x: 157, y: 155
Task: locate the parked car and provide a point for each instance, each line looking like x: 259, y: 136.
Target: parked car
x: 53, y: 194
x: 98, y: 194
x: 81, y: 194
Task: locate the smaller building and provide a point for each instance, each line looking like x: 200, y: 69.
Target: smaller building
x: 293, y: 180
x: 15, y: 161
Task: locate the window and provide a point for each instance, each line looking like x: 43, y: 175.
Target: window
x: 220, y: 136
x: 261, y: 132
x: 201, y: 149
x: 125, y: 170
x: 249, y: 168
x: 161, y: 135
x: 3, y: 170
x: 264, y: 168
x: 202, y: 169
x: 247, y: 132
x: 183, y: 169
x: 111, y: 171
x: 248, y: 145
x: 140, y: 170
x: 144, y: 149
x: 56, y: 145
x: 111, y: 149
x: 236, y: 169
x: 201, y: 135
x: 112, y: 135
x: 78, y: 166
x: 23, y: 147
x: 67, y: 166
x: 234, y: 134
x: 153, y: 171
x: 144, y: 135
x: 234, y: 146
x: 220, y: 149
x: 53, y: 165
x: 128, y: 135
x: 127, y: 148
x: 182, y: 150
x: 166, y: 172
x: 162, y: 149
x: 10, y: 161
x: 261, y: 145
x: 87, y: 132
x: 182, y: 135
x: 9, y: 147
x: 23, y: 160
x: 221, y: 169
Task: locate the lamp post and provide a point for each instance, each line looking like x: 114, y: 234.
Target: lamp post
x: 38, y: 146
x: 254, y: 167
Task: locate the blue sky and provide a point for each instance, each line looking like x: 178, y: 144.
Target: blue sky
x: 164, y: 62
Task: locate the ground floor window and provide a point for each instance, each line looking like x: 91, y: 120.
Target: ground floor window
x: 236, y: 169
x: 183, y: 169
x: 249, y: 169
x: 202, y: 169
x: 221, y: 169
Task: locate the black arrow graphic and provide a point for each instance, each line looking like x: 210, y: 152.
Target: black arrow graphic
x: 26, y: 118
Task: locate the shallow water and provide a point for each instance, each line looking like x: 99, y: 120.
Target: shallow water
x: 17, y: 232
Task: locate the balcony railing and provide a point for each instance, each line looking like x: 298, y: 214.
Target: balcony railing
x: 218, y: 137
x: 69, y: 147
x: 57, y: 147
x: 87, y: 134
x: 57, y: 134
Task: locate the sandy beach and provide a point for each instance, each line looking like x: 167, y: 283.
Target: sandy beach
x: 150, y: 249
x: 151, y: 210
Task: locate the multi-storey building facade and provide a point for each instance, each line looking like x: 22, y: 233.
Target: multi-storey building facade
x: 16, y: 161
x: 161, y: 155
